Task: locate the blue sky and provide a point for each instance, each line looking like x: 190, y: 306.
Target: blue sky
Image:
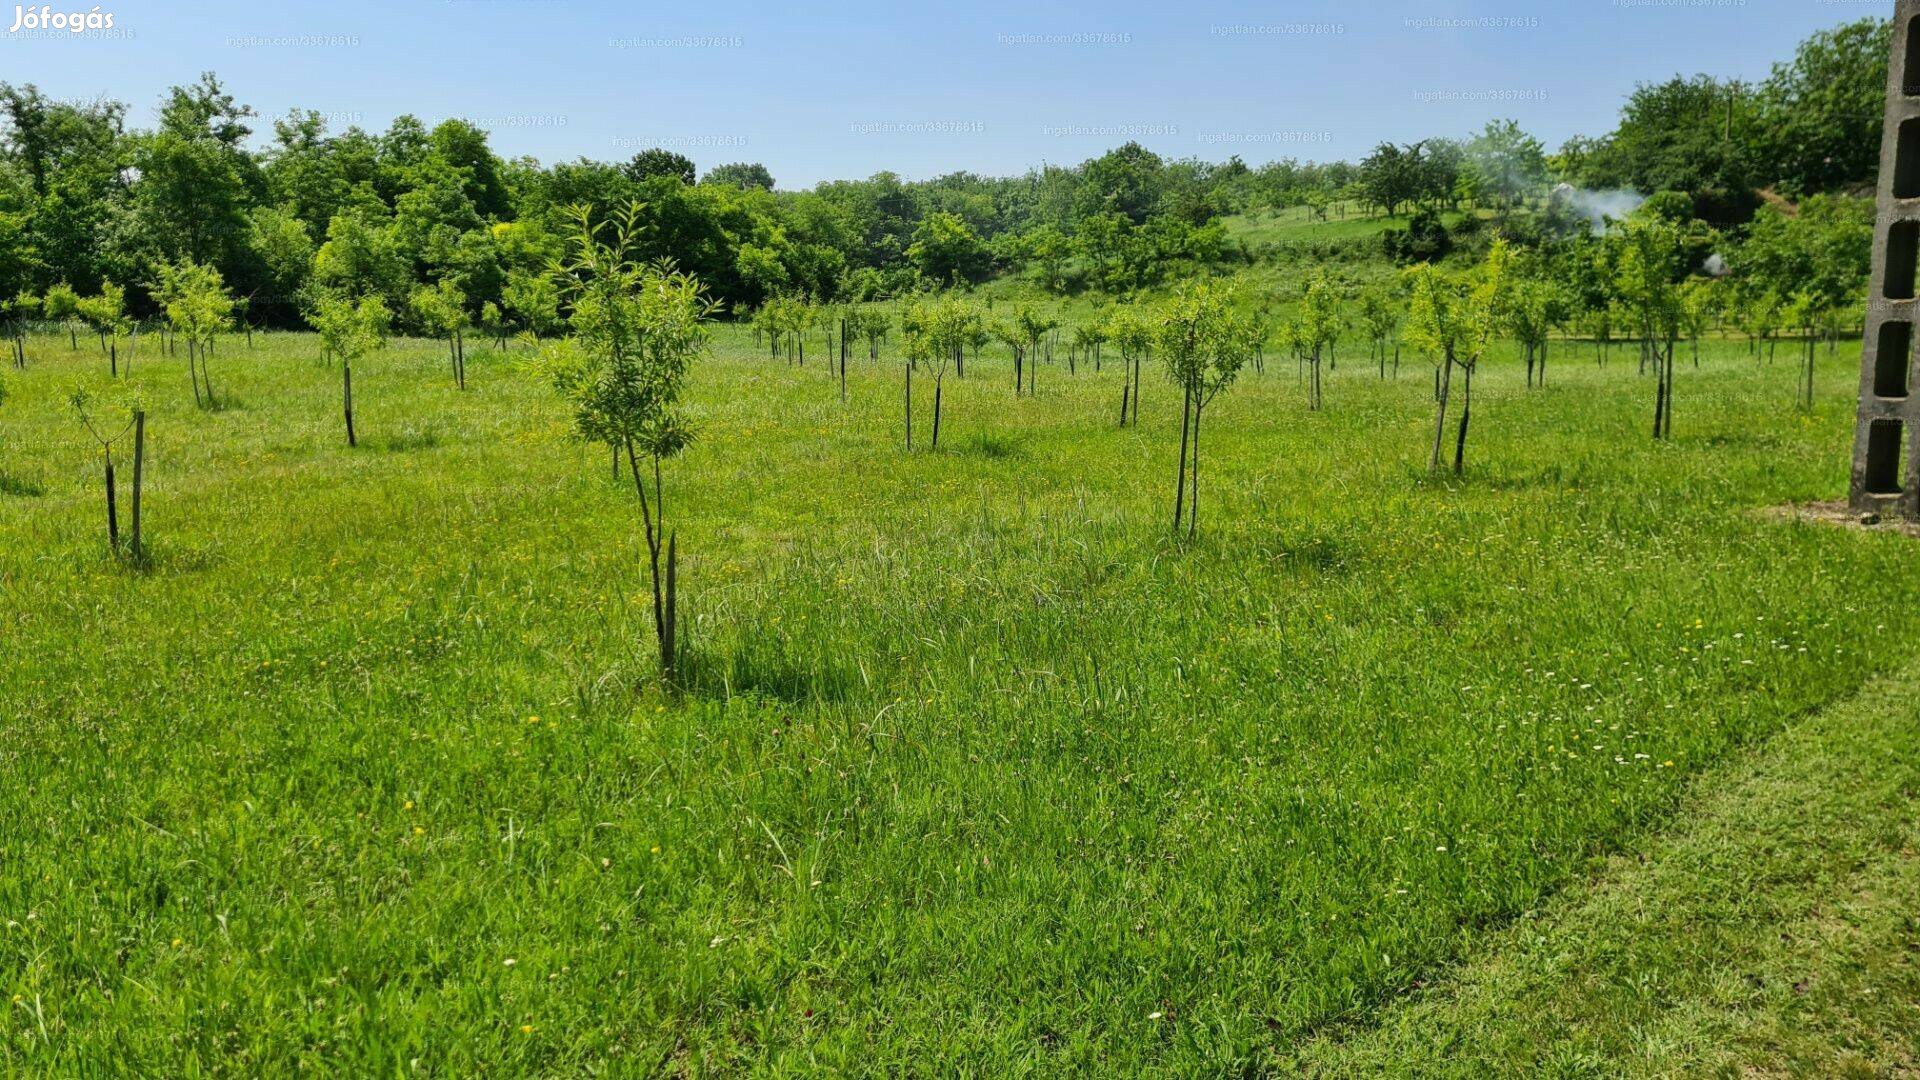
x: 924, y: 89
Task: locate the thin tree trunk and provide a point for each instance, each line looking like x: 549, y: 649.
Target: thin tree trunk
x: 653, y: 550
x: 346, y: 399
x: 909, y: 405
x: 1659, y: 403
x: 139, y: 467
x: 670, y: 640
x: 1180, y: 477
x: 1193, y: 504
x: 1442, y: 385
x: 1667, y: 429
x: 937, y: 380
x: 113, y: 508
x: 1466, y: 414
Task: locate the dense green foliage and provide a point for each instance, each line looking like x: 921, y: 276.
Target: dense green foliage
x: 285, y: 209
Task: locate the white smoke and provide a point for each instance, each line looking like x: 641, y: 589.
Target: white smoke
x: 1598, y: 207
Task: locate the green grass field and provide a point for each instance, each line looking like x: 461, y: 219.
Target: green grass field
x: 1300, y: 223
x: 976, y: 768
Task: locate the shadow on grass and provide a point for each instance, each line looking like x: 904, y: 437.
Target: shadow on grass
x: 20, y: 487
x: 164, y: 560
x: 759, y: 671
x: 1550, y: 478
x: 994, y: 447
x: 407, y: 440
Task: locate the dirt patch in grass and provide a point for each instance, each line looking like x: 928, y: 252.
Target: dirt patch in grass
x: 1839, y: 513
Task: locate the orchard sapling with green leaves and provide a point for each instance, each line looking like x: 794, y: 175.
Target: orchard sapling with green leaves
x: 534, y: 302
x: 195, y: 299
x: 106, y: 316
x: 1648, y: 269
x: 1204, y: 343
x: 1452, y: 317
x: 62, y: 305
x: 494, y: 324
x: 109, y: 421
x: 1699, y: 306
x: 1316, y: 325
x: 351, y: 329
x: 1380, y: 321
x: 937, y: 333
x: 1033, y: 327
x: 1802, y: 313
x: 1133, y: 336
x: 442, y: 311
x: 1087, y: 339
x: 635, y: 331
x: 1527, y: 315
x: 18, y: 310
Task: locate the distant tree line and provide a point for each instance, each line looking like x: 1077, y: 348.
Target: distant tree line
x: 426, y: 217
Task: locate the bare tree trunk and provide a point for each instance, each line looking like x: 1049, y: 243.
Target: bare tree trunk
x: 139, y: 468
x: 937, y: 380
x: 1443, y: 380
x: 113, y: 508
x: 206, y: 378
x: 1808, y: 390
x: 1193, y: 504
x: 660, y: 630
x: 1660, y: 398
x: 670, y: 639
x: 1124, y: 389
x: 1667, y: 433
x: 1466, y: 414
x: 346, y: 400
x: 1180, y: 477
